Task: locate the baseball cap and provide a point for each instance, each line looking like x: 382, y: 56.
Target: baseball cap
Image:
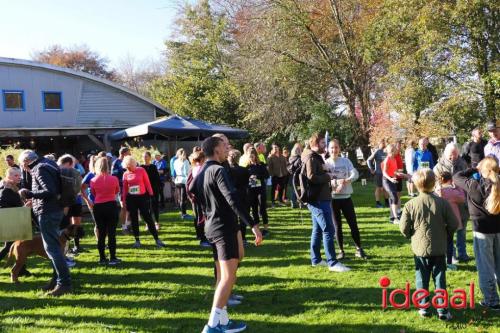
x: 109, y: 155
x: 492, y: 125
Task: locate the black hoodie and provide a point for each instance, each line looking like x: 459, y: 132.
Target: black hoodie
x: 477, y: 192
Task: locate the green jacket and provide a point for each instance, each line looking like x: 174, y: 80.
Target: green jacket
x: 427, y: 220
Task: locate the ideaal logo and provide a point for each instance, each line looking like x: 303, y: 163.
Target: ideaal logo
x: 440, y: 300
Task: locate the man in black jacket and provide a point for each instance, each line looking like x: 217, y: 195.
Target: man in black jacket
x: 220, y: 203
x: 473, y: 151
x: 45, y: 192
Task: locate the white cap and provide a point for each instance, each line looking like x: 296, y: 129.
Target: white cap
x: 109, y: 155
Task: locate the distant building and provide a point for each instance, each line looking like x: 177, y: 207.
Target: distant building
x: 55, y: 109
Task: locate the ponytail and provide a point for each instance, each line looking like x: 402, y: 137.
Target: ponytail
x: 489, y: 169
x: 493, y: 200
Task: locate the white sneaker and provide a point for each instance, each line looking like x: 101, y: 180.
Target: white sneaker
x: 339, y: 268
x: 454, y: 261
x: 321, y: 263
x: 445, y: 317
x: 395, y: 221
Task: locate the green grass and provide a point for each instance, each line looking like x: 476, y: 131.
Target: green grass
x: 170, y: 290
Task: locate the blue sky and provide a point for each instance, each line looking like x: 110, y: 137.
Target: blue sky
x: 113, y: 28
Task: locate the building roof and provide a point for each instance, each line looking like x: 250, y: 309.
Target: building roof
x: 68, y: 71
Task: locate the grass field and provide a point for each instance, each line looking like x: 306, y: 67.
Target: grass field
x: 170, y: 290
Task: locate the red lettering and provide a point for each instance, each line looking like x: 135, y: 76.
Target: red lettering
x: 384, y: 298
x: 472, y: 303
x: 461, y: 296
x: 441, y: 294
x: 415, y: 298
x: 405, y: 292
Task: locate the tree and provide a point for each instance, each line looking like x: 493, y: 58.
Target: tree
x: 326, y: 39
x: 442, y: 63
x: 138, y: 75
x: 79, y: 58
x: 198, y: 78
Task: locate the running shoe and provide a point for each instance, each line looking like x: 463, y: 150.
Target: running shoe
x: 322, y: 263
x: 114, y: 262
x: 208, y: 329
x: 233, y: 302
x: 341, y: 255
x: 445, y: 316
x: 339, y: 268
x: 233, y: 327
x: 491, y: 307
x: 360, y: 253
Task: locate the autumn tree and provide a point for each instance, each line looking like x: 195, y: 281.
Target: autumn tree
x: 79, y: 58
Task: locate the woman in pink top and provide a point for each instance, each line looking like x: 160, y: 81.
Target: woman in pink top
x: 454, y: 196
x: 104, y: 188
x: 137, y: 193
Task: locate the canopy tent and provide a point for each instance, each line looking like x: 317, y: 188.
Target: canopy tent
x: 179, y: 127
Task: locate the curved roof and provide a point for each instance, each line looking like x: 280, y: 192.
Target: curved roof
x: 68, y: 71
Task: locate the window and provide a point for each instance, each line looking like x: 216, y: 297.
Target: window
x: 52, y: 101
x: 13, y: 100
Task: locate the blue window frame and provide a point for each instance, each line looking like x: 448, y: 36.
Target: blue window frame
x: 13, y: 100
x: 52, y: 101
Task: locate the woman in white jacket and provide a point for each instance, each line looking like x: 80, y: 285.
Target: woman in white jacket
x: 409, y: 159
x: 181, y: 168
x: 344, y: 174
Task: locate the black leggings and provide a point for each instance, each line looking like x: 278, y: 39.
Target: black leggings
x: 182, y: 195
x: 280, y: 183
x: 155, y: 207
x: 392, y: 190
x: 106, y: 219
x: 160, y: 195
x: 142, y: 204
x: 345, y: 207
x: 199, y: 227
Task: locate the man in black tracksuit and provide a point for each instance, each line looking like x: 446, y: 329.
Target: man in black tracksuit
x: 220, y: 203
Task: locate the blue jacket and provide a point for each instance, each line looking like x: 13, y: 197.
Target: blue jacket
x: 422, y: 156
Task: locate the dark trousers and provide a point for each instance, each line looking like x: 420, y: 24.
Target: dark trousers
x: 280, y: 184
x: 449, y: 249
x: 199, y: 226
x: 160, y: 196
x: 262, y: 200
x: 345, y: 207
x: 425, y: 267
x: 136, y: 204
x: 182, y: 195
x: 155, y: 207
x: 106, y: 218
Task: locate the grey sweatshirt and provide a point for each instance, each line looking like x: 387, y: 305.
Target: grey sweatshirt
x: 342, y: 168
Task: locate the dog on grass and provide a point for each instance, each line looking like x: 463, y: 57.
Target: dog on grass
x: 22, y: 249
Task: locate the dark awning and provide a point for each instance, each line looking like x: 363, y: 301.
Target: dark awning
x: 177, y: 126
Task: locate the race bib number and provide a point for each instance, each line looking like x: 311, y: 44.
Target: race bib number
x: 255, y: 183
x: 136, y: 189
x: 425, y: 165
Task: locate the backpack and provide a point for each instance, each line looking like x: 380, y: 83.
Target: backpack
x: 301, y: 184
x: 71, y: 184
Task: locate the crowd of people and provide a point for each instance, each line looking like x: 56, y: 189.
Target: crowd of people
x: 228, y: 193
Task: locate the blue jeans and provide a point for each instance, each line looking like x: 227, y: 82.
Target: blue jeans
x: 322, y: 228
x: 461, y: 244
x: 425, y: 267
x: 49, y: 227
x: 487, y: 253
